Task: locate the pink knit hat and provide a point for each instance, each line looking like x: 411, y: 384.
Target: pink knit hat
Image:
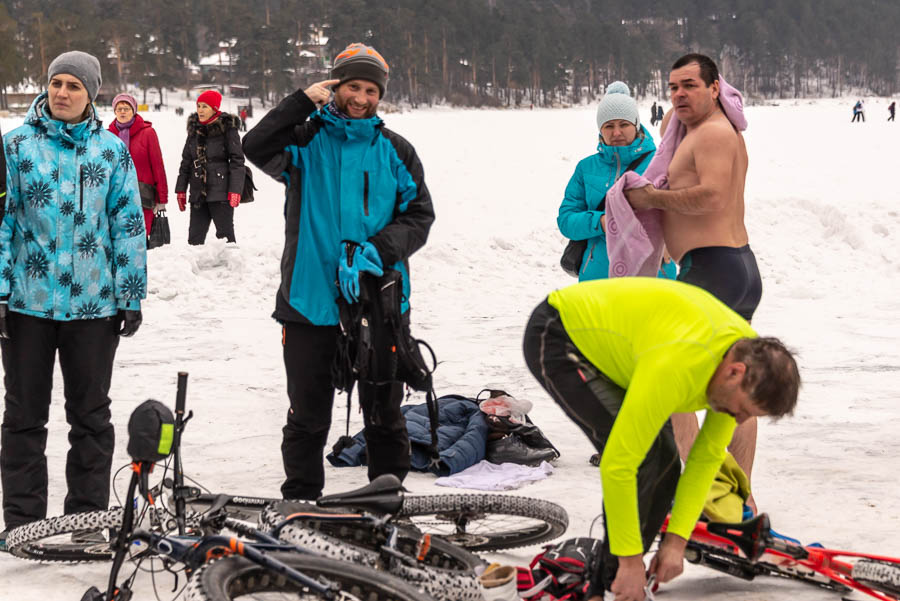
x: 123, y: 97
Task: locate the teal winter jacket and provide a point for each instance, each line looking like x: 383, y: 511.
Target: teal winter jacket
x: 581, y: 210
x: 72, y: 242
x: 345, y: 180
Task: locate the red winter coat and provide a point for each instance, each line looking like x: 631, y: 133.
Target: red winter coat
x: 147, y: 156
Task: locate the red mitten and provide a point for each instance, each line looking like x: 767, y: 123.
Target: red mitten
x: 182, y: 200
x: 234, y: 199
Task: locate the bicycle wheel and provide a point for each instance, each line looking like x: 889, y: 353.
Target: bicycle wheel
x: 882, y: 576
x: 51, y: 539
x: 445, y: 571
x: 486, y: 522
x: 239, y: 578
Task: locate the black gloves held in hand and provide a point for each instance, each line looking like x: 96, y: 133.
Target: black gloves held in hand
x: 4, y: 326
x: 129, y: 322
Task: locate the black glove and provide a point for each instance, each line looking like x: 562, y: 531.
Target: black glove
x: 129, y: 322
x: 4, y: 326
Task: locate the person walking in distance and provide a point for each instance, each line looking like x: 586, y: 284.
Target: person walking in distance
x: 73, y: 268
x: 857, y: 112
x: 356, y: 202
x: 212, y: 162
x: 892, y: 107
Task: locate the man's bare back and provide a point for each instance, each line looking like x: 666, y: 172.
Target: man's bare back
x: 710, y: 167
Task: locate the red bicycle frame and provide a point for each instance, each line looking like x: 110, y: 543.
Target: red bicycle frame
x: 751, y: 546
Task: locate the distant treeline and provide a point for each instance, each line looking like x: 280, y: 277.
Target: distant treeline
x: 469, y: 52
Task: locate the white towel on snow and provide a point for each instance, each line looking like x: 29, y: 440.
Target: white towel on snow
x: 485, y: 475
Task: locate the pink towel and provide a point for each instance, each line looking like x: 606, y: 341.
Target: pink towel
x: 634, y: 239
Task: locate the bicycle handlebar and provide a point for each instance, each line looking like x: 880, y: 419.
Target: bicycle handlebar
x: 181, y: 394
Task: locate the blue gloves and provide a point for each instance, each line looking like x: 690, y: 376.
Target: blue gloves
x: 356, y: 258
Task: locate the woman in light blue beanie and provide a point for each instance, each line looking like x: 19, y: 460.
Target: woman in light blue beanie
x: 625, y: 145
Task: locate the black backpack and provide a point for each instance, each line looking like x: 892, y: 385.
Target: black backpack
x: 561, y: 572
x: 376, y: 316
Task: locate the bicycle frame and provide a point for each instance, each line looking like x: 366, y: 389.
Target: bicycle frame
x: 193, y: 552
x: 749, y: 549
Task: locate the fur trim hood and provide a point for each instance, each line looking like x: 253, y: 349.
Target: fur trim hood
x: 217, y: 127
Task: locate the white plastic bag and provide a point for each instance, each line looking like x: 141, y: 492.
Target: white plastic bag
x: 515, y: 408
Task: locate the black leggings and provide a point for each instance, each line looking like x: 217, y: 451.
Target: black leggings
x: 592, y: 401
x: 730, y: 274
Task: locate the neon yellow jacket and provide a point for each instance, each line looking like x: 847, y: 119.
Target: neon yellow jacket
x: 661, y: 340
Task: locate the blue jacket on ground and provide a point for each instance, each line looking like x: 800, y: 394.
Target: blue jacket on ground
x: 346, y: 179
x: 462, y: 437
x: 580, y: 211
x: 73, y: 241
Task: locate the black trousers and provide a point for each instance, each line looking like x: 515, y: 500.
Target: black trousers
x: 220, y: 213
x: 87, y: 349
x: 592, y: 401
x: 308, y: 356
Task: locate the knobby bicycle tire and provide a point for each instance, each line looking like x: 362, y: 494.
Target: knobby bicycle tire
x: 237, y: 577
x: 882, y: 576
x: 51, y: 539
x: 486, y: 522
x: 446, y: 572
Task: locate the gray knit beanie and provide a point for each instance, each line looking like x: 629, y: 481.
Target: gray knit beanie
x: 618, y: 104
x: 80, y: 64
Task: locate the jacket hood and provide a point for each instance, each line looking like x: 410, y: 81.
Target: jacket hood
x: 642, y: 144
x: 218, y: 126
x: 39, y: 116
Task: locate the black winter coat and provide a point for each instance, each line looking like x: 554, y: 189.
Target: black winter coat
x: 224, y: 172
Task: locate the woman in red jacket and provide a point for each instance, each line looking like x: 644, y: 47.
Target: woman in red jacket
x: 143, y: 144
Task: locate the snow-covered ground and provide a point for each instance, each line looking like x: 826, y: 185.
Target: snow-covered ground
x: 824, y: 221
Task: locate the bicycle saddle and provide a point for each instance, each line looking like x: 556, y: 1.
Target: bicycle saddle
x: 750, y: 536
x: 382, y: 495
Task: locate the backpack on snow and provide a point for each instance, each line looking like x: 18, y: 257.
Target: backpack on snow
x: 562, y: 572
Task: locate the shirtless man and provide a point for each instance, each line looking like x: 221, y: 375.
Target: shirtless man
x: 703, y: 216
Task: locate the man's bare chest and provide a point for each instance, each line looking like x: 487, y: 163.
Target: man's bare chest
x: 682, y: 170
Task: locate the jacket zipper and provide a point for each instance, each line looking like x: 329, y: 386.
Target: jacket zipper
x: 81, y: 188
x: 366, y: 192
x: 590, y: 257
